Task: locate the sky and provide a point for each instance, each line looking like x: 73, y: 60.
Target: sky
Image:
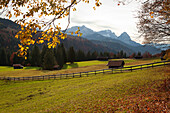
x: 109, y: 16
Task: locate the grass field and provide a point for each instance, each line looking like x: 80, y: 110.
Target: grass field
x: 69, y: 68
x: 100, y: 93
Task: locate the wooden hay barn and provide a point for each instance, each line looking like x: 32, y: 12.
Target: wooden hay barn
x: 18, y: 66
x: 116, y: 64
x: 56, y: 67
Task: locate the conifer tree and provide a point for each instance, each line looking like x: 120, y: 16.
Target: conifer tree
x: 44, y: 49
x: 49, y: 60
x: 71, y: 55
x: 35, y: 56
x: 60, y: 56
x: 3, y: 57
x: 64, y: 53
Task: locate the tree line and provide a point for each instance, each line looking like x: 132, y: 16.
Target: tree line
x: 48, y: 58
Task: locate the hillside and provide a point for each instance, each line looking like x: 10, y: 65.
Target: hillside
x: 8, y: 29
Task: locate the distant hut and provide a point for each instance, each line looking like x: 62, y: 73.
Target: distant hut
x: 56, y: 67
x: 116, y: 64
x: 18, y: 66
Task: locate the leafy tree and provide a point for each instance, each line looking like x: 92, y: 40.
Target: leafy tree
x: 133, y: 55
x: 167, y: 55
x: 3, y: 57
x: 154, y: 21
x: 49, y: 60
x: 147, y: 55
x: 71, y: 55
x: 35, y: 56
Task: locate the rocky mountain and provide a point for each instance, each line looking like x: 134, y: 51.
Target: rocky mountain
x: 124, y: 37
x: 107, y: 33
x: 108, y: 39
x: 83, y: 29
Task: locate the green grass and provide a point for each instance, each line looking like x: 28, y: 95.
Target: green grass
x: 69, y: 68
x: 73, y: 95
x: 9, y: 68
x: 83, y: 63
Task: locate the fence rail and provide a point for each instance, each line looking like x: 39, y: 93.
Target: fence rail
x: 87, y: 73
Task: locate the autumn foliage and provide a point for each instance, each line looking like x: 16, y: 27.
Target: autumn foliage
x: 30, y: 24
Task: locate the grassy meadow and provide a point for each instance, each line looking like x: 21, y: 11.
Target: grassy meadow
x: 96, y: 93
x: 68, y: 68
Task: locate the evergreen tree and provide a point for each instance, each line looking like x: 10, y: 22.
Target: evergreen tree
x: 35, y: 56
x: 44, y: 49
x: 49, y: 60
x: 139, y: 54
x: 80, y: 56
x: 121, y: 54
x: 64, y: 53
x: 88, y: 56
x: 3, y: 57
x: 71, y: 55
x: 124, y: 55
x: 94, y: 55
x: 101, y: 54
x: 59, y: 56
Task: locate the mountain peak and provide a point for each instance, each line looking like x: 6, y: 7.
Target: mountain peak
x: 124, y: 36
x: 107, y: 33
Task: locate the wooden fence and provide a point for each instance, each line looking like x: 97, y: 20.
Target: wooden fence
x: 87, y: 73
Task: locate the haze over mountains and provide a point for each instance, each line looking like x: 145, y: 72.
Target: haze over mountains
x: 101, y: 41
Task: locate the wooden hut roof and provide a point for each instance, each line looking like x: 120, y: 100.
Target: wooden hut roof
x: 116, y: 63
x: 17, y: 65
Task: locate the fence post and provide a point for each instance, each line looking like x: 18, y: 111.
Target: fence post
x: 60, y: 76
x: 73, y: 75
x: 80, y: 74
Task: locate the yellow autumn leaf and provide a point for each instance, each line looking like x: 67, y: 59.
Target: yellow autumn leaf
x: 71, y: 33
x: 41, y: 41
x: 16, y: 36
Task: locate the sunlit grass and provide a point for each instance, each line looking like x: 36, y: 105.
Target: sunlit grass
x: 73, y: 95
x: 69, y: 68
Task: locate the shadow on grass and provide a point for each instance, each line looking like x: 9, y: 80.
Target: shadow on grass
x: 68, y: 66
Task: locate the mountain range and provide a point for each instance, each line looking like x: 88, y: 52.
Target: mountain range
x: 101, y: 41
x: 108, y: 39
